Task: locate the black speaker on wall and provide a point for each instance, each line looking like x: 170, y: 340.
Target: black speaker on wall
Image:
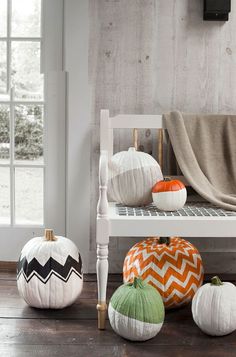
x: 216, y: 10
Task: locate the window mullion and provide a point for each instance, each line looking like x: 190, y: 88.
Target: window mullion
x: 24, y: 39
x: 10, y: 91
x: 12, y: 148
x: 9, y: 12
x: 21, y: 102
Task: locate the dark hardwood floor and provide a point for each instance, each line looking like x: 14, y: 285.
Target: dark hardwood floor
x: 26, y: 331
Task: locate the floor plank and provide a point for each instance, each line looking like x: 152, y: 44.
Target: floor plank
x: 25, y: 331
x: 77, y: 332
x: 125, y: 350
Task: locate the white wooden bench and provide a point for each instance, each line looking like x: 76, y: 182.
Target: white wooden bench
x: 195, y: 220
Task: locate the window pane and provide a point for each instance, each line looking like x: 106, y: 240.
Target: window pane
x: 29, y: 133
x: 26, y: 77
x: 4, y: 195
x: 4, y: 133
x: 26, y: 18
x: 3, y: 18
x: 3, y: 67
x: 29, y: 195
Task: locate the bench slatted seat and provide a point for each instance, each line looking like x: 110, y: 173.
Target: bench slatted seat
x: 196, y: 219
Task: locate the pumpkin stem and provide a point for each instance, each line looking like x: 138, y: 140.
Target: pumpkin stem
x: 216, y: 281
x: 164, y: 240
x: 135, y: 138
x: 167, y: 178
x: 138, y: 283
x: 49, y: 235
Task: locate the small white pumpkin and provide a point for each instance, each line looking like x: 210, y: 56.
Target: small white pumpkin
x: 132, y: 175
x: 49, y: 272
x: 214, y: 308
x: 136, y: 311
x: 169, y: 195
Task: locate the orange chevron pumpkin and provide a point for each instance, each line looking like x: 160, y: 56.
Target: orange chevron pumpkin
x: 172, y: 265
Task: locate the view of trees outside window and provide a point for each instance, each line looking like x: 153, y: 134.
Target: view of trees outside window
x: 21, y: 113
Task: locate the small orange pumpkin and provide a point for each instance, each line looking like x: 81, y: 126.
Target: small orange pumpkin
x: 172, y: 265
x: 169, y: 195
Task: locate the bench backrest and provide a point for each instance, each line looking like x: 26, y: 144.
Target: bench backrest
x: 130, y: 121
x: 124, y: 121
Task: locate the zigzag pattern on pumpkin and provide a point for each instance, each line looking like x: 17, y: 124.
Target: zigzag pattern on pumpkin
x: 169, y: 277
x: 175, y: 271
x: 160, y: 261
x: 51, y: 267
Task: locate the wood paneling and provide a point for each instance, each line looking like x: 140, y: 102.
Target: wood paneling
x: 150, y: 57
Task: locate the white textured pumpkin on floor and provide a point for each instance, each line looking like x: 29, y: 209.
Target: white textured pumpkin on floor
x: 214, y: 308
x: 169, y: 195
x: 136, y: 311
x: 132, y: 175
x: 49, y: 272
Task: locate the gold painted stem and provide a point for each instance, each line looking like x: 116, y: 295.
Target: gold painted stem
x: 49, y: 235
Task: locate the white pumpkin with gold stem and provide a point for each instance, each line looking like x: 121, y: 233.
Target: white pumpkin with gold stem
x: 49, y: 272
x: 132, y: 175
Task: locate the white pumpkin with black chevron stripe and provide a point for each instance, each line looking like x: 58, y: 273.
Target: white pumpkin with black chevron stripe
x: 49, y: 272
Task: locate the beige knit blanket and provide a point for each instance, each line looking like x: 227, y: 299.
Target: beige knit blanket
x: 205, y: 149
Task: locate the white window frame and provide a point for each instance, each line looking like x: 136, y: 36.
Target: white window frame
x: 13, y: 237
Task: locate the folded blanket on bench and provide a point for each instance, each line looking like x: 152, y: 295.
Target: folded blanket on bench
x: 205, y: 149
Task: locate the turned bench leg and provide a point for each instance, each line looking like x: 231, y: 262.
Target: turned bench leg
x: 102, y: 236
x: 102, y: 275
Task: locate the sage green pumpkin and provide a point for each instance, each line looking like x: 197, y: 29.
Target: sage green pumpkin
x: 136, y: 311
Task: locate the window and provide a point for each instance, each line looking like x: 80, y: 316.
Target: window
x: 32, y: 122
x: 21, y: 114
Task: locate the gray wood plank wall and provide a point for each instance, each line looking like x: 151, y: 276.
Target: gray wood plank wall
x: 151, y: 56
